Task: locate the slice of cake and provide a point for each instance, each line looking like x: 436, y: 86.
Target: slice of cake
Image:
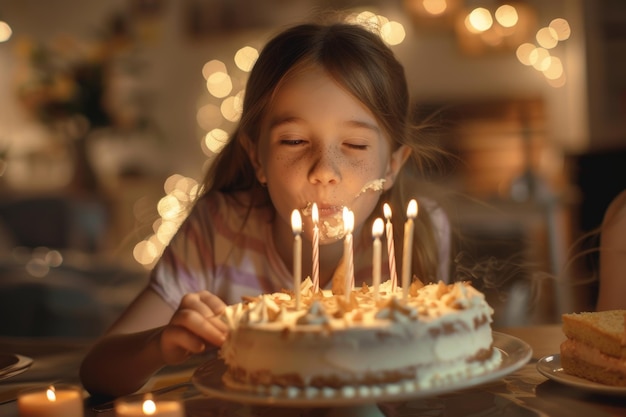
x: 438, y: 335
x: 595, y: 348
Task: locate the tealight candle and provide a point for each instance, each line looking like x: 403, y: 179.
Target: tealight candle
x: 316, y: 248
x: 51, y: 401
x: 409, y: 228
x: 348, y: 226
x: 147, y: 406
x: 377, y: 231
x: 391, y: 251
x: 296, y: 225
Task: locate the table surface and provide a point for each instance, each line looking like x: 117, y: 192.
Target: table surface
x: 523, y: 393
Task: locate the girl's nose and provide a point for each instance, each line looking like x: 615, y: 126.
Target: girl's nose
x: 325, y: 167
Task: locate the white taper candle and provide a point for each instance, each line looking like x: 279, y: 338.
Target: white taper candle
x: 316, y: 248
x: 409, y: 228
x: 377, y: 231
x: 348, y: 248
x: 296, y: 225
x: 391, y: 250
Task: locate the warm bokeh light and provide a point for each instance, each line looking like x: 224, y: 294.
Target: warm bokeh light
x: 185, y: 185
x: 554, y: 70
x: 537, y: 58
x: 231, y: 108
x: 219, y: 84
x: 169, y: 207
x: 393, y: 33
x: 561, y: 28
x: 208, y: 116
x: 245, y: 58
x: 156, y: 224
x: 523, y: 53
x: 547, y: 37
x: 166, y: 231
x: 145, y: 252
x: 368, y: 19
x: 170, y: 183
x: 480, y: 19
x: 435, y: 7
x: 506, y: 16
x: 559, y: 82
x: 215, y: 140
x: 543, y: 63
x: 5, y: 31
x: 180, y: 192
x: 212, y: 66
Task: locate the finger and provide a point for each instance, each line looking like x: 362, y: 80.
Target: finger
x: 213, y: 301
x: 193, y: 301
x: 210, y: 306
x: 195, y: 323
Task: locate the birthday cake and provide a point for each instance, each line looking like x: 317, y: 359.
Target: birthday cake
x: 431, y: 336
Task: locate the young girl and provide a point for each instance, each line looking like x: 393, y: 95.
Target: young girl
x: 325, y: 120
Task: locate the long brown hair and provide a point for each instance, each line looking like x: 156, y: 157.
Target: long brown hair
x: 364, y: 65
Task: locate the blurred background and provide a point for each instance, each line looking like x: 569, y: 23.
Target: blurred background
x: 111, y: 110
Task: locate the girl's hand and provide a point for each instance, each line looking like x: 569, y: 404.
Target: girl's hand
x: 194, y: 324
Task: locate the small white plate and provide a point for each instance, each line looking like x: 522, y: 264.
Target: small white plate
x: 550, y: 367
x: 11, y: 364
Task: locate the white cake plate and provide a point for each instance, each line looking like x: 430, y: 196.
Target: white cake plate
x: 358, y: 400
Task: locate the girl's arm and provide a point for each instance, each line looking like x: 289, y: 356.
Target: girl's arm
x: 148, y: 336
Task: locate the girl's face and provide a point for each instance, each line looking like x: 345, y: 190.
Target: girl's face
x: 320, y: 145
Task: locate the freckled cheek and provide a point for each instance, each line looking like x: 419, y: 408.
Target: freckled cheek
x: 286, y: 169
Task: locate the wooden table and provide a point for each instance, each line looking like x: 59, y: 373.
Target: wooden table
x: 523, y: 393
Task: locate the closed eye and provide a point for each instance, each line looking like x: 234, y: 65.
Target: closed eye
x: 357, y: 146
x: 292, y: 142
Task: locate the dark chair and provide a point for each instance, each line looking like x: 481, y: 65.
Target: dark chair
x: 50, y: 306
x: 58, y: 222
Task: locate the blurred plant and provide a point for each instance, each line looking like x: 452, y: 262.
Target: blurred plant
x: 68, y: 77
x: 74, y: 85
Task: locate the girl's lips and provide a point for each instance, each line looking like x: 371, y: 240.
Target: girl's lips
x: 324, y: 210
x: 328, y: 210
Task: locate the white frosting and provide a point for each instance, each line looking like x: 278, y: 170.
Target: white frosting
x: 374, y: 185
x: 432, y: 335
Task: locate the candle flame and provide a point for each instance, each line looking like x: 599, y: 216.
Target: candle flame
x: 387, y: 211
x: 377, y: 228
x: 296, y: 222
x: 315, y: 214
x: 411, y: 211
x: 51, y: 394
x: 348, y: 220
x: 148, y: 407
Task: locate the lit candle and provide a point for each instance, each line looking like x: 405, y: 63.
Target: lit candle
x: 146, y: 406
x: 316, y: 248
x: 377, y: 231
x: 391, y: 251
x: 296, y: 225
x: 348, y: 226
x: 59, y: 401
x: 409, y: 226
